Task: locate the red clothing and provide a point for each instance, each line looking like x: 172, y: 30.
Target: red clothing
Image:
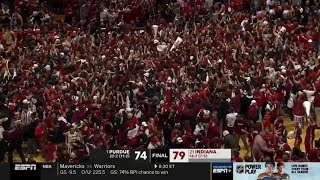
x: 275, y: 112
x: 15, y: 136
x: 253, y: 113
x: 213, y: 131
x: 78, y: 116
x: 313, y: 155
x: 240, y: 125
x: 48, y: 151
x: 131, y: 122
x: 216, y: 142
x: 186, y: 7
x: 236, y: 159
x: 270, y: 140
x: 68, y: 11
x: 281, y: 149
x: 316, y: 100
x: 267, y: 120
x: 85, y: 132
x: 237, y: 103
x: 39, y: 132
x: 298, y: 108
x: 238, y: 5
x: 82, y: 153
x: 204, y: 118
x: 99, y: 142
x: 259, y: 97
x: 310, y: 136
x: 277, y: 125
x: 187, y: 141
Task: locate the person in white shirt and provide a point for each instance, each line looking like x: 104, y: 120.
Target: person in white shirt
x: 72, y: 137
x: 231, y: 118
x: 26, y: 116
x: 198, y: 129
x: 290, y: 104
x: 144, y: 128
x: 133, y: 132
x: 309, y: 91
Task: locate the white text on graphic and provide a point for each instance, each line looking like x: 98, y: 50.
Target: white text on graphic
x: 25, y: 167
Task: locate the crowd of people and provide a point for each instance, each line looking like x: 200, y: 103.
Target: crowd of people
x: 150, y: 74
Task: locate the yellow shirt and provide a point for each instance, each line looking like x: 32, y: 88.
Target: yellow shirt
x: 8, y: 37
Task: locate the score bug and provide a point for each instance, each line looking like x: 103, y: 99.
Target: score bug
x: 179, y: 155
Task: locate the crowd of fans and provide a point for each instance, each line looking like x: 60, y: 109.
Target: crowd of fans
x: 137, y: 74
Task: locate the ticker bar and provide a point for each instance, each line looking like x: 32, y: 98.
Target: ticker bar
x: 101, y: 171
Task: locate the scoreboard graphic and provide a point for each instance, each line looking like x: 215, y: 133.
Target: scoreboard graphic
x: 200, y: 155
x: 199, y: 164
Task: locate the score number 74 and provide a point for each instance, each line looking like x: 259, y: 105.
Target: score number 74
x: 141, y: 155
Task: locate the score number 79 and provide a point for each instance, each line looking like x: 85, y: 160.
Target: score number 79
x: 181, y: 155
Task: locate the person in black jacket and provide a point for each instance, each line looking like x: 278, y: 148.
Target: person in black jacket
x: 223, y: 109
x: 229, y: 140
x: 15, y: 138
x: 222, y: 112
x: 29, y: 134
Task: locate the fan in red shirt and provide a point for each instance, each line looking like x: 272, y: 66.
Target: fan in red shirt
x: 40, y: 133
x: 216, y: 142
x: 238, y: 5
x: 213, y: 130
x: 277, y: 126
x: 49, y: 151
x: 99, y: 140
x: 188, y: 139
x: 310, y: 135
x: 270, y: 139
x: 68, y: 11
x: 282, y: 148
x: 275, y: 111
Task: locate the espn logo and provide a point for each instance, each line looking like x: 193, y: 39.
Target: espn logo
x: 220, y: 171
x: 25, y: 167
